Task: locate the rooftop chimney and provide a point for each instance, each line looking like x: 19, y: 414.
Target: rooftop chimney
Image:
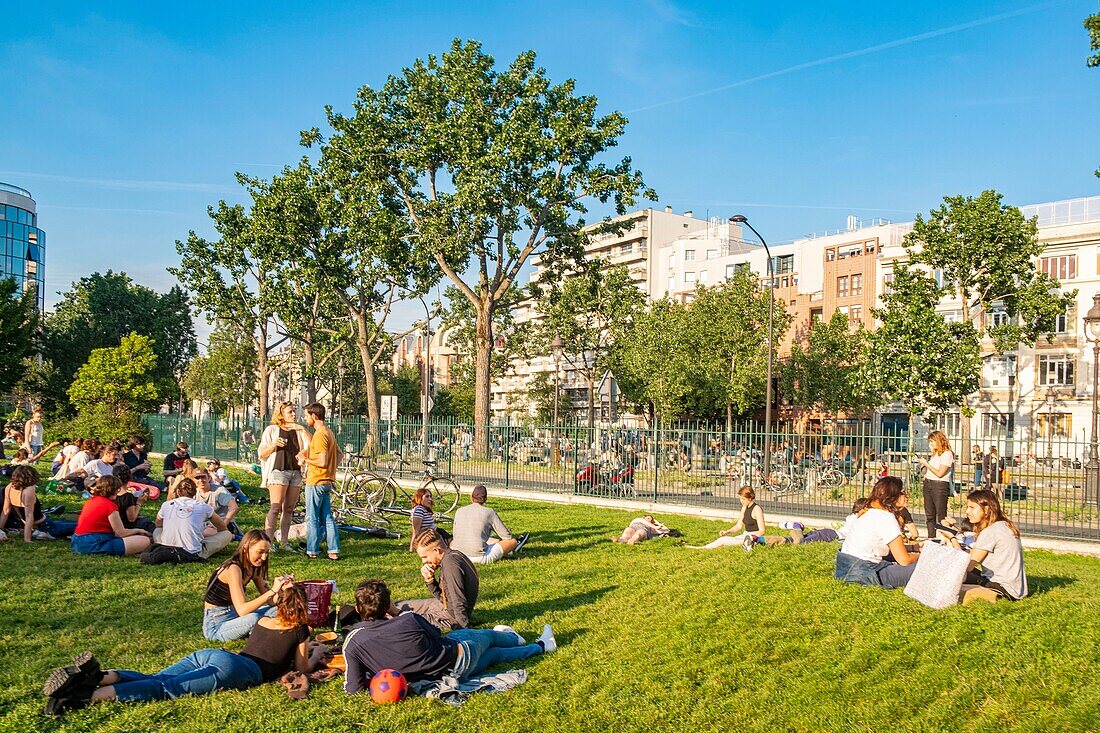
x: 853, y: 223
x: 668, y: 209
x: 689, y: 214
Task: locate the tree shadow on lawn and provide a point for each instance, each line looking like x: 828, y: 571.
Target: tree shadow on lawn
x: 1045, y: 584
x: 527, y: 611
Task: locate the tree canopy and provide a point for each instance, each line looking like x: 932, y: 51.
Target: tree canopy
x: 120, y: 379
x: 18, y: 332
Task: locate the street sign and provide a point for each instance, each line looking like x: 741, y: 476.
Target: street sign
x: 389, y: 407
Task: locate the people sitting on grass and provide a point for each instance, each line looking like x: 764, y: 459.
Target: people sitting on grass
x: 875, y: 535
x: 219, y: 499
x: 422, y: 517
x: 130, y: 499
x: 187, y: 469
x: 280, y: 470
x: 474, y: 527
x: 997, y: 548
x: 191, y: 524
x: 22, y: 510
x: 452, y: 579
x: 74, y: 473
x: 644, y: 528
x: 104, y: 465
x: 69, y: 448
x: 137, y: 459
x: 99, y: 528
x: 227, y: 612
x: 750, y: 525
x: 219, y: 478
x: 278, y: 645
x: 173, y: 462
x: 390, y: 639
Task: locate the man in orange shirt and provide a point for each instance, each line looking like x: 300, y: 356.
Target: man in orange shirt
x: 320, y: 460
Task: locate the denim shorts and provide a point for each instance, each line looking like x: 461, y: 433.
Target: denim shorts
x: 98, y: 543
x: 293, y: 479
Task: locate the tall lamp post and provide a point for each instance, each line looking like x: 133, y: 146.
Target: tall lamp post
x: 1092, y: 466
x: 555, y: 446
x: 741, y: 219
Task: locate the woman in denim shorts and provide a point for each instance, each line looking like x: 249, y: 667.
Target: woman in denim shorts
x: 281, y: 473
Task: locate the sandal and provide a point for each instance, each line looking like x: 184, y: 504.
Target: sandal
x: 333, y: 556
x: 311, y: 556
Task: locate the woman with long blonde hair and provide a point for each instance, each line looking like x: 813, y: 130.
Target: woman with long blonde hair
x: 939, y: 472
x: 281, y: 473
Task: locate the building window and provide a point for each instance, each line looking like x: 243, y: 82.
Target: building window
x: 830, y: 255
x: 1056, y: 370
x: 1059, y: 268
x: 689, y: 255
x: 953, y: 316
x: 937, y: 275
x: 731, y: 270
x: 626, y: 248
x: 854, y: 250
x: 999, y: 372
x: 857, y: 284
x: 671, y: 261
x: 888, y: 283
x: 871, y: 246
x: 704, y: 276
x: 671, y: 283
x: 842, y: 286
x: 712, y: 254
x: 1054, y: 424
x: 783, y: 264
x: 948, y: 422
x: 996, y: 424
x: 689, y: 278
x: 855, y: 313
x: 816, y: 314
x: 998, y: 317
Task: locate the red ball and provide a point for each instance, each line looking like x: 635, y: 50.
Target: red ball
x: 387, y: 686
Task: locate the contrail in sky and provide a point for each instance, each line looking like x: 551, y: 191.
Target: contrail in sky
x: 860, y: 52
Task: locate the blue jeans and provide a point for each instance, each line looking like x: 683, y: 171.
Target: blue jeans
x: 223, y: 623
x: 58, y: 527
x: 482, y: 648
x: 864, y: 572
x: 205, y: 671
x: 319, y: 519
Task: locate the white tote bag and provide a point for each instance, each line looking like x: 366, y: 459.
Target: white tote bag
x: 938, y: 578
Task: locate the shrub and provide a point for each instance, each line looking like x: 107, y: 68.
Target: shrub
x: 100, y: 422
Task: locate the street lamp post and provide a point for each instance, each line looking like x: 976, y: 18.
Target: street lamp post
x: 555, y: 447
x: 1092, y: 467
x: 741, y: 219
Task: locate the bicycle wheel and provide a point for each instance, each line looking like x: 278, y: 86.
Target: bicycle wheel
x: 781, y: 482
x: 831, y: 479
x: 446, y: 493
x: 370, y: 491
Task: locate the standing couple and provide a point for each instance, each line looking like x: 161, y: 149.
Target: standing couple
x: 286, y: 448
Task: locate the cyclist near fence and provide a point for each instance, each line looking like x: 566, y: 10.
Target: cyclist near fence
x: 474, y: 526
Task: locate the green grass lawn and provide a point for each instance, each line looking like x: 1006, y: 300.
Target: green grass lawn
x: 652, y: 638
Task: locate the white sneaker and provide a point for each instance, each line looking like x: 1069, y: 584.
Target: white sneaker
x: 510, y: 630
x: 549, y: 643
x: 40, y: 535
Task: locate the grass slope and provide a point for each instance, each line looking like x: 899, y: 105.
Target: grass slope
x: 653, y: 637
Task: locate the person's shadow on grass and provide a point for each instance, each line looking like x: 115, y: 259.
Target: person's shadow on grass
x: 518, y: 612
x: 1045, y: 584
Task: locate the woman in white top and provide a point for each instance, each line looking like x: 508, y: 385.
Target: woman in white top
x: 938, y: 474
x: 33, y: 432
x: 997, y: 547
x: 281, y: 473
x: 874, y: 536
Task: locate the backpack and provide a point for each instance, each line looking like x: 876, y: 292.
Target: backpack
x: 158, y: 554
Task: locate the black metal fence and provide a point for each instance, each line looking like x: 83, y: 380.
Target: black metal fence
x: 1042, y: 484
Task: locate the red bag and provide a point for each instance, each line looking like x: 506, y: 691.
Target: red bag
x: 319, y: 600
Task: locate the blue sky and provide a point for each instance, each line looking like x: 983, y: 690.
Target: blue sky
x: 125, y: 121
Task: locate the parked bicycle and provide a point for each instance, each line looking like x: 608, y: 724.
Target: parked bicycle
x: 386, y: 495
x: 353, y: 502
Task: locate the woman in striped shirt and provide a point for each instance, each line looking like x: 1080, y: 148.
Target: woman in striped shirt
x: 422, y: 517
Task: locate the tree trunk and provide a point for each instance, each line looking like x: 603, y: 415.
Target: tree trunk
x: 363, y: 343
x: 591, y: 403
x: 964, y: 408
x: 263, y: 371
x: 308, y: 376
x: 482, y: 377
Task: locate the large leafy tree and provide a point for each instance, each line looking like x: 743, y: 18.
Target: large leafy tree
x: 491, y: 167
x: 654, y: 366
x: 230, y: 279
x: 828, y: 370
x: 986, y: 252
x: 223, y: 377
x: 917, y: 356
x: 120, y: 379
x: 100, y: 309
x: 1092, y: 25
x: 588, y: 311
x: 18, y: 332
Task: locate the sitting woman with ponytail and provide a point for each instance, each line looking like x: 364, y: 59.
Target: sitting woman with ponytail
x: 997, y: 548
x: 277, y: 646
x: 874, y: 537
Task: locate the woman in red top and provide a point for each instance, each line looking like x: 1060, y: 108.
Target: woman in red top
x: 99, y: 528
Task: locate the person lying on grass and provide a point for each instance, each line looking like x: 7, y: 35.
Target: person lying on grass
x: 644, y: 528
x: 21, y: 504
x: 997, y: 548
x: 99, y: 528
x: 23, y: 456
x: 799, y: 535
x: 750, y: 525
x: 452, y: 579
x: 277, y: 645
x: 407, y: 642
x: 227, y: 612
x: 875, y: 535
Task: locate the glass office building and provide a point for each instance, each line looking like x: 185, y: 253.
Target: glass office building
x: 22, y: 243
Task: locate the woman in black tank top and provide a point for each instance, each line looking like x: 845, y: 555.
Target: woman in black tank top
x: 749, y: 526
x: 278, y: 645
x: 227, y: 612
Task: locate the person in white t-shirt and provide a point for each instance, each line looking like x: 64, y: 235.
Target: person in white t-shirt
x: 939, y: 474
x: 875, y: 535
x: 997, y: 548
x: 181, y: 521
x: 102, y: 466
x: 61, y: 460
